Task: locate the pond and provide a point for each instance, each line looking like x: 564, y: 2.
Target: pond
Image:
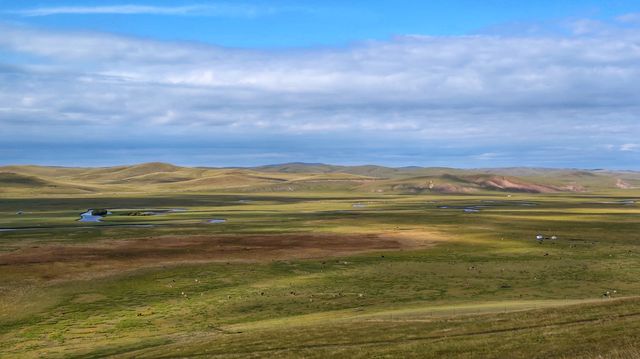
x: 217, y: 220
x: 470, y: 209
x: 88, y: 216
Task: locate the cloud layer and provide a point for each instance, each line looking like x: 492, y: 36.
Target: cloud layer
x: 218, y: 10
x: 485, y: 97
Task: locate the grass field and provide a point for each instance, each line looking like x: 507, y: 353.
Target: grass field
x: 321, y: 273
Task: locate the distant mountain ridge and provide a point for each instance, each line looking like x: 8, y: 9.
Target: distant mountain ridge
x: 299, y: 176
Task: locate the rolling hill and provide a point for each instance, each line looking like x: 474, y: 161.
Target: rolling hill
x: 290, y: 177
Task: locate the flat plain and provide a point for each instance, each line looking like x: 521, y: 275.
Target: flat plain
x: 319, y: 261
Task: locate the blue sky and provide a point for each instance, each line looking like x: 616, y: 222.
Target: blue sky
x: 268, y: 24
x: 431, y: 83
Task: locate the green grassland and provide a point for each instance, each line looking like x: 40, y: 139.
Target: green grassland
x: 476, y: 284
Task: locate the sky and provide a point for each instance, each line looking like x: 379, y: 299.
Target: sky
x: 458, y: 83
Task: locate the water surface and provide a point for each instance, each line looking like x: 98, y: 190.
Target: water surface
x: 88, y: 216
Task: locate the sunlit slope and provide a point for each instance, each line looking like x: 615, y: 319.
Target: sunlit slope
x: 163, y: 177
x: 11, y: 182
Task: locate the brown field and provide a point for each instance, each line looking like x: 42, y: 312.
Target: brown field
x: 134, y: 253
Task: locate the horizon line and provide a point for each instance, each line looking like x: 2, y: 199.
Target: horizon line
x: 320, y: 164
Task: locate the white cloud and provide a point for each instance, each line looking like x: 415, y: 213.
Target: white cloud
x: 220, y: 9
x: 629, y: 18
x: 487, y: 156
x: 627, y: 147
x: 500, y: 90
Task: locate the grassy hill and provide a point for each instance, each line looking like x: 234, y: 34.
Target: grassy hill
x: 291, y: 177
x: 12, y: 182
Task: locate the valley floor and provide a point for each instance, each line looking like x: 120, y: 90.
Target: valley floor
x: 322, y: 274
